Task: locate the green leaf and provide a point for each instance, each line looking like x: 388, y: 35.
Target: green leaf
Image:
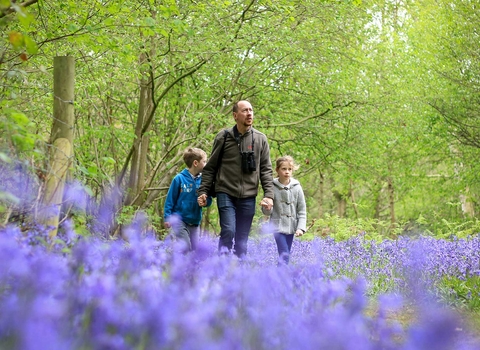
x: 23, y: 16
x: 23, y: 142
x: 72, y: 27
x: 9, y: 197
x: 30, y: 45
x: 4, y: 4
x: 19, y: 118
x: 83, y: 170
x: 28, y: 142
x: 163, y: 32
x: 5, y: 158
x: 149, y: 21
x: 113, y: 9
x: 108, y: 160
x: 89, y: 191
x: 92, y: 170
x: 109, y: 21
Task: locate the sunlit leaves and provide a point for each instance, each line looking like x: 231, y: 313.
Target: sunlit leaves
x: 108, y: 160
x: 16, y: 127
x: 30, y: 45
x: 339, y: 83
x: 168, y: 11
x: 4, y: 4
x: 25, y: 18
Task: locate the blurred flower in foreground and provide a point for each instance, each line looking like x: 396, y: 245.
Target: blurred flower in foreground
x: 145, y: 293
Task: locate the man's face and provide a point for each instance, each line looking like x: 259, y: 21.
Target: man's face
x: 244, y: 115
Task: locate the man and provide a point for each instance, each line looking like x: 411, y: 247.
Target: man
x: 237, y: 168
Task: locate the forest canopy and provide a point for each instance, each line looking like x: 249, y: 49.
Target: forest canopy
x: 377, y: 101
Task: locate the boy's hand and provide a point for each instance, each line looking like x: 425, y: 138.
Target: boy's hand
x: 202, y: 200
x: 299, y: 233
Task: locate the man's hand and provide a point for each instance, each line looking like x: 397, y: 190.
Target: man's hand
x: 267, y: 203
x: 202, y: 200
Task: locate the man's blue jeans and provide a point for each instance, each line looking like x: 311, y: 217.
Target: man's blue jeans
x: 236, y: 216
x: 284, y: 246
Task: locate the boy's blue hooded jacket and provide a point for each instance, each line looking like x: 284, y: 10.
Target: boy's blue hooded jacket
x: 182, y: 198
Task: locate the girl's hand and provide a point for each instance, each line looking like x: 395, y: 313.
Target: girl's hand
x: 267, y: 203
x: 299, y: 233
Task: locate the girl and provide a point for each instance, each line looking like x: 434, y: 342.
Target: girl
x: 289, y: 212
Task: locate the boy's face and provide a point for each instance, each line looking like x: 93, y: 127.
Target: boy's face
x: 200, y: 164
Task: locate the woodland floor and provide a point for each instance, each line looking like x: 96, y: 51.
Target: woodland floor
x: 407, y: 316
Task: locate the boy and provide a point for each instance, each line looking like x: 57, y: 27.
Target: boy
x: 181, y: 212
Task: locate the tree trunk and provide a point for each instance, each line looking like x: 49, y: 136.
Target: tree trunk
x: 136, y: 181
x: 352, y: 196
x: 61, y: 141
x: 341, y: 204
x: 468, y: 208
x: 321, y: 190
x: 377, y: 192
x: 391, y: 200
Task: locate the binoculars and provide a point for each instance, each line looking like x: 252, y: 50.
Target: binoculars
x: 248, y: 162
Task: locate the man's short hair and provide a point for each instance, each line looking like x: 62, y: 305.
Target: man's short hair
x: 192, y: 154
x: 235, y: 105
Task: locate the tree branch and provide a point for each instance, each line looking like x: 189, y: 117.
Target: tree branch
x: 11, y: 9
x: 314, y: 116
x: 152, y: 114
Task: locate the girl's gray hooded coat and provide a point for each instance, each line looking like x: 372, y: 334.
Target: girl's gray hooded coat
x: 289, y: 211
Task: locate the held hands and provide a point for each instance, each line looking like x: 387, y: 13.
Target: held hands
x: 267, y: 203
x: 202, y: 200
x: 299, y: 233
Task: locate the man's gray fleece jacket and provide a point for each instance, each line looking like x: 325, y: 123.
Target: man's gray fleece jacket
x: 289, y: 211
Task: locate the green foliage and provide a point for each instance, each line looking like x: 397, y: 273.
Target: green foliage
x: 126, y: 215
x: 16, y: 130
x: 80, y: 222
x: 155, y: 222
x: 443, y: 228
x: 347, y: 94
x: 463, y: 293
x: 342, y: 229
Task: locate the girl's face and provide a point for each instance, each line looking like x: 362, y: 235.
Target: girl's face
x: 284, y: 171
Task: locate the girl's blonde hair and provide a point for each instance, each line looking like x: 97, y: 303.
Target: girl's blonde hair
x: 286, y: 159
